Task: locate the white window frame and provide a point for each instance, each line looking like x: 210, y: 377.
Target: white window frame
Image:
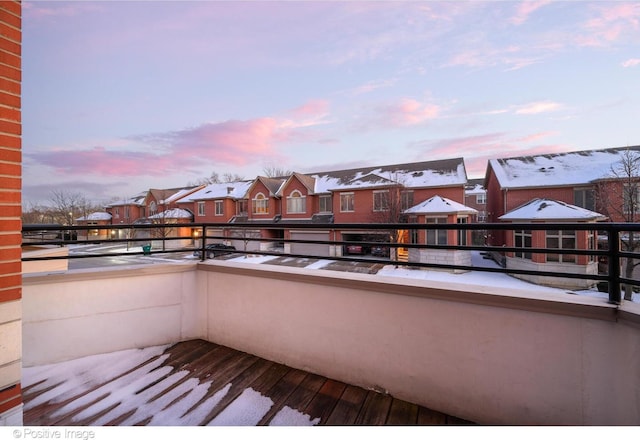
x: 347, y: 202
x: 381, y: 200
x: 439, y: 236
x: 520, y: 237
x: 260, y: 204
x: 219, y: 207
x: 563, y: 240
x: 242, y: 207
x: 296, y: 203
x: 406, y: 199
x: 327, y: 201
x: 481, y: 199
x: 201, y: 209
x: 631, y: 191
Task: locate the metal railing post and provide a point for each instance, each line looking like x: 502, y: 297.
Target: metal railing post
x: 614, y: 266
x: 203, y: 244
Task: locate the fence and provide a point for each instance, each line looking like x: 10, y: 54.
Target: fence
x: 618, y: 244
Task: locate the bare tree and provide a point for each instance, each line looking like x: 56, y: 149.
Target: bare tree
x: 388, y: 207
x: 618, y: 197
x: 271, y: 170
x: 66, y: 206
x: 216, y: 178
x: 231, y: 177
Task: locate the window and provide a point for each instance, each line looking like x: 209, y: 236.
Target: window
x: 201, y: 208
x: 296, y: 203
x: 561, y: 240
x: 481, y: 199
x: 219, y: 207
x: 153, y: 209
x: 406, y: 200
x: 346, y: 202
x: 522, y: 239
x: 631, y: 194
x: 260, y: 204
x: 242, y: 207
x: 584, y: 198
x: 116, y: 212
x: 326, y: 203
x: 381, y: 200
x: 126, y: 213
x: 436, y: 236
x: 462, y: 233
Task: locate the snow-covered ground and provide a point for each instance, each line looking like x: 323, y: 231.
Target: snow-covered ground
x: 475, y: 278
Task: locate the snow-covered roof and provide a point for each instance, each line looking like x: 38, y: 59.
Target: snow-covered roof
x: 235, y: 190
x: 411, y: 175
x: 138, y: 199
x: 573, y: 168
x: 474, y: 187
x: 178, y: 195
x: 547, y: 209
x: 173, y: 213
x: 95, y: 216
x: 440, y: 205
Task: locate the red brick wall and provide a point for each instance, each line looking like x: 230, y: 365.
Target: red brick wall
x: 10, y: 151
x: 295, y: 184
x: 10, y: 170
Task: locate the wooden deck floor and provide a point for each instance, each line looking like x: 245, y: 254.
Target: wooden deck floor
x: 233, y: 379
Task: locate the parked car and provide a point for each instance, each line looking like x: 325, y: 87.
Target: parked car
x: 355, y: 249
x: 380, y: 251
x: 214, y: 250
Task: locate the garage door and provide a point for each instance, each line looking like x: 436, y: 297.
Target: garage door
x: 317, y: 250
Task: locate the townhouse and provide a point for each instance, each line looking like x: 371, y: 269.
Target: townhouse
x: 581, y: 186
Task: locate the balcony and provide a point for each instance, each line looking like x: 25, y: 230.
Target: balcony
x: 486, y: 354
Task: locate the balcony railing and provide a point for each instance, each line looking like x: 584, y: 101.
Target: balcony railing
x: 614, y: 247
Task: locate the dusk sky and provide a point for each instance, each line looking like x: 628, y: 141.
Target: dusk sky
x: 120, y: 97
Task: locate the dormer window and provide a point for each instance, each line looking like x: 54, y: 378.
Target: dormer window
x: 260, y: 204
x: 296, y: 203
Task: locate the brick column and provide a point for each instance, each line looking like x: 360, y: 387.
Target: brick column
x: 10, y: 212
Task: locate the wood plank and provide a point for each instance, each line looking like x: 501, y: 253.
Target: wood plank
x: 323, y: 403
x: 347, y: 409
x: 281, y: 392
x: 239, y: 384
x: 402, y: 413
x: 303, y: 394
x: 329, y: 401
x: 374, y: 410
x: 428, y: 416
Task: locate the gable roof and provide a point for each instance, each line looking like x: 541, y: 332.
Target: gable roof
x: 440, y: 205
x: 308, y: 181
x: 410, y: 175
x: 547, y: 209
x: 272, y: 184
x: 560, y: 169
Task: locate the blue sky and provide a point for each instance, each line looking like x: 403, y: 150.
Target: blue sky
x: 120, y: 97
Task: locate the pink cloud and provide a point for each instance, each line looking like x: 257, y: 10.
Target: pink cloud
x: 408, y: 112
x: 525, y: 9
x: 538, y: 107
x: 477, y: 150
x: 314, y: 107
x: 55, y: 9
x: 631, y: 62
x: 233, y: 143
x: 612, y: 24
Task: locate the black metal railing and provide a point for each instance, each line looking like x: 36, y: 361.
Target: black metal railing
x: 613, y: 249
